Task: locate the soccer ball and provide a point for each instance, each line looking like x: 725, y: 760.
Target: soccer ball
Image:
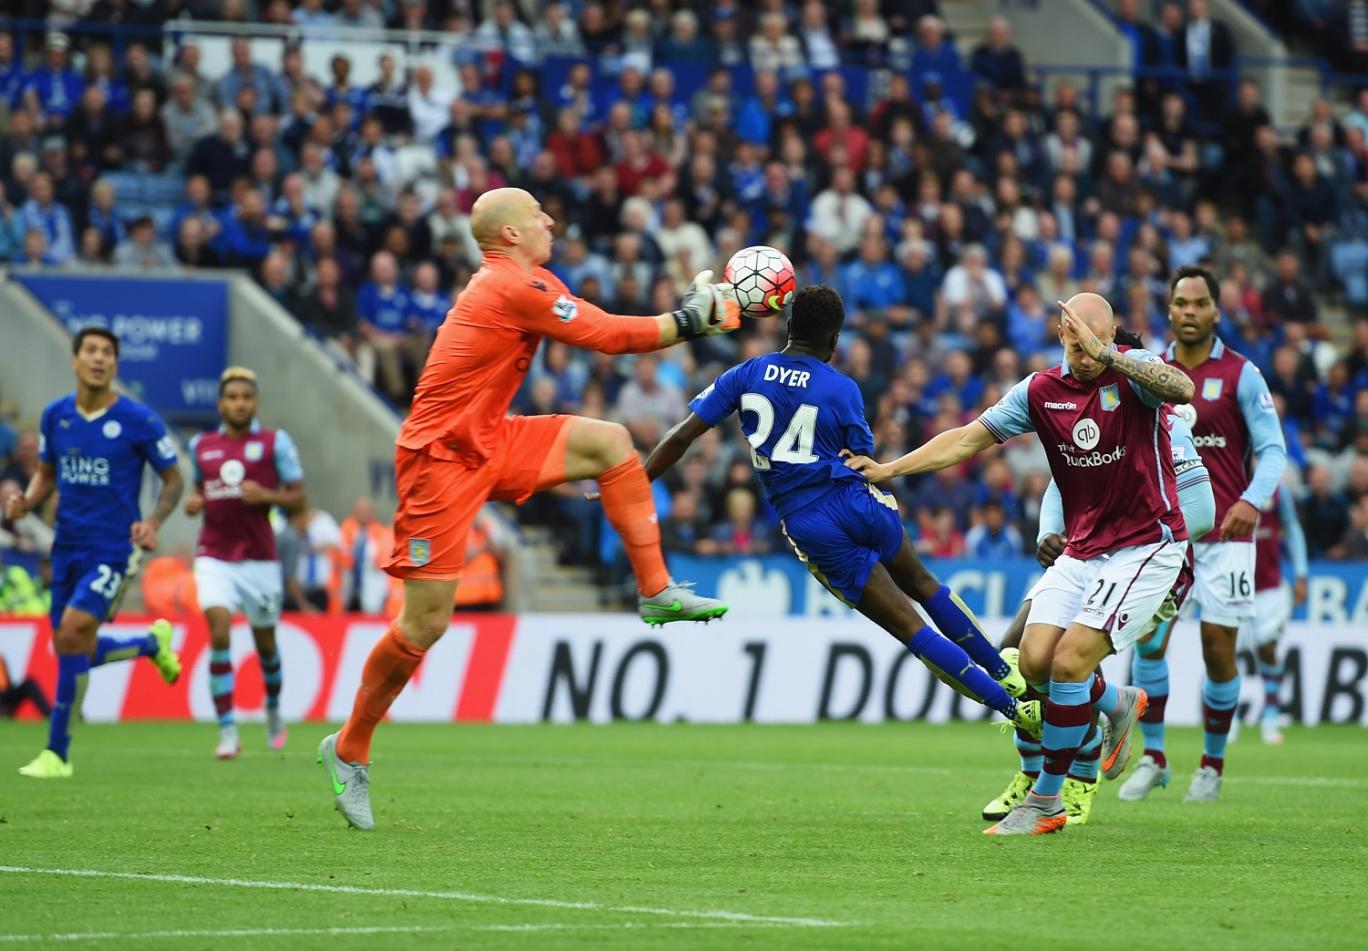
x: 763, y: 278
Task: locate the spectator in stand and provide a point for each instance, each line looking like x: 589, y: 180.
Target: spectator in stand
x: 839, y: 214
x: 997, y: 62
x: 392, y: 340
x: 92, y: 131
x: 646, y: 398
x: 556, y: 34
x: 684, y: 530
x: 1314, y: 212
x: 43, y: 213
x: 934, y: 55
x: 973, y: 286
x: 1206, y: 51
x: 193, y: 249
x: 329, y: 311
x: 244, y: 239
x: 993, y: 538
x: 429, y: 107
x: 223, y: 157
x: 142, y: 136
x: 1288, y: 298
x: 428, y: 302
x: 1324, y: 513
x: 742, y: 533
x: 141, y: 250
x: 52, y: 92
x: 266, y: 92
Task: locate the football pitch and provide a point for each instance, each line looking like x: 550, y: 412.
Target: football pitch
x: 649, y: 836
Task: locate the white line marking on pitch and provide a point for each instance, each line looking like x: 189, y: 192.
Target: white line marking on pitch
x: 731, y: 916
x: 215, y: 933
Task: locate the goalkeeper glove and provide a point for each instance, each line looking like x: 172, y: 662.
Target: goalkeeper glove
x: 707, y: 309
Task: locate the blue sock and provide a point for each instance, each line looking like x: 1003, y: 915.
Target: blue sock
x: 958, y: 623
x: 1068, y: 713
x: 1108, y: 702
x: 73, y: 670
x: 1029, y: 749
x: 1089, y: 759
x: 110, y: 649
x: 1218, y: 709
x: 1152, y: 674
x: 271, y: 677
x: 1272, y: 675
x: 221, y: 684
x: 953, y: 665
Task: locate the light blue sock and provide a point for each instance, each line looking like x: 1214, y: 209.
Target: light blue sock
x: 1152, y: 675
x: 952, y: 664
x: 1089, y: 758
x: 110, y: 649
x: 958, y: 623
x: 271, y: 678
x: 1272, y: 675
x: 73, y: 670
x: 1109, y: 701
x: 221, y: 684
x: 1068, y: 714
x: 1218, y: 708
x: 1031, y: 757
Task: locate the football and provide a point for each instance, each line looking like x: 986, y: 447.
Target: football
x: 763, y: 278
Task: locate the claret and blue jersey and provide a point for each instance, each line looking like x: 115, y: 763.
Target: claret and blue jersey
x: 98, y: 464
x: 798, y: 413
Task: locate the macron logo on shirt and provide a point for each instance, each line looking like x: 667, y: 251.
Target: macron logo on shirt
x: 1049, y: 404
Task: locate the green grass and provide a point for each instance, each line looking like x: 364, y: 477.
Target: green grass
x: 874, y: 828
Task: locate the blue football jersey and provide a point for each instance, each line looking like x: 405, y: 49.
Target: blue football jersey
x: 99, y: 466
x: 797, y: 413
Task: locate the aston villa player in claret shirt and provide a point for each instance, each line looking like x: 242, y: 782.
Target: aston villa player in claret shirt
x: 242, y: 470
x: 1102, y: 421
x: 1233, y: 423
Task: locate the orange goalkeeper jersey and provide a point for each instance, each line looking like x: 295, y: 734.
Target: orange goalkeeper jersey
x: 486, y: 345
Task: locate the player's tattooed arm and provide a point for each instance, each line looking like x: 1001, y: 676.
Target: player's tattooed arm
x: 1164, y: 380
x: 676, y: 442
x: 1167, y: 382
x: 144, y: 533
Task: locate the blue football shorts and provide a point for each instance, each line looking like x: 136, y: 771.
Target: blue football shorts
x: 843, y: 534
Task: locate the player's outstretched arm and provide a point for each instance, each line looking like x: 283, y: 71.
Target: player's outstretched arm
x: 676, y: 442
x: 544, y: 306
x: 940, y: 452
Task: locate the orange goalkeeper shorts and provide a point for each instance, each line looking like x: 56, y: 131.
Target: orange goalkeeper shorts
x: 439, y: 498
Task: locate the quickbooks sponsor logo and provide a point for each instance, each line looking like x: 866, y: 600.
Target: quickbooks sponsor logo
x: 1209, y: 442
x: 1093, y: 459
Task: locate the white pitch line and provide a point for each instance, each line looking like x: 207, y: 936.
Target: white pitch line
x: 730, y: 916
x: 211, y: 933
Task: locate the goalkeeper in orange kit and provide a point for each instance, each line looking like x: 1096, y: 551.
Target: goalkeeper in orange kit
x: 458, y: 449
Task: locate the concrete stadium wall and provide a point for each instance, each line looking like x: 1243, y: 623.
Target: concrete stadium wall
x: 345, y: 433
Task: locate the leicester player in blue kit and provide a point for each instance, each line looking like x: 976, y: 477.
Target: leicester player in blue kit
x: 93, y: 446
x: 799, y: 415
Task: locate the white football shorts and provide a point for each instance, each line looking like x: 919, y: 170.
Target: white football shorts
x: 1224, y: 582
x: 1272, y: 611
x: 253, y: 587
x: 1117, y: 593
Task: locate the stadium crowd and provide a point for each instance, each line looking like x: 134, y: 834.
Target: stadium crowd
x: 949, y: 196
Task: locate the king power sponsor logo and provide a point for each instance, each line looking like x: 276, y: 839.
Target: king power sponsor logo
x: 561, y: 668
